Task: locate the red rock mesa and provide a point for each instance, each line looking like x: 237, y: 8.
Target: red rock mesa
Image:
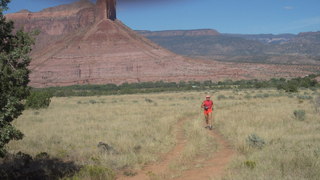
x: 84, y: 43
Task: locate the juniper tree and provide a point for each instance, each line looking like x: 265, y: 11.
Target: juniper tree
x: 14, y: 76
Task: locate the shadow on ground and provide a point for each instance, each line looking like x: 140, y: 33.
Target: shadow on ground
x: 23, y: 166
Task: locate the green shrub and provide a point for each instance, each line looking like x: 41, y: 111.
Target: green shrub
x: 231, y: 97
x: 266, y: 95
x: 129, y: 173
x: 300, y: 114
x: 222, y: 97
x: 38, y: 100
x: 290, y: 96
x: 306, y: 97
x: 258, y: 96
x: 250, y: 164
x: 94, y: 172
x: 92, y: 101
x: 255, y: 141
x: 148, y: 100
x: 291, y: 87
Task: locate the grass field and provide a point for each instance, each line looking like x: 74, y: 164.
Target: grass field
x: 291, y: 144
x: 140, y: 128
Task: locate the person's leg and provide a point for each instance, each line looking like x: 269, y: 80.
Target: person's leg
x: 210, y: 120
x: 207, y: 120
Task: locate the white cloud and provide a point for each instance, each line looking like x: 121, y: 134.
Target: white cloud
x: 288, y: 7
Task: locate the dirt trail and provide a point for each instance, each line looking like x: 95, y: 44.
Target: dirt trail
x: 215, y: 166
x: 161, y: 167
x: 211, y: 168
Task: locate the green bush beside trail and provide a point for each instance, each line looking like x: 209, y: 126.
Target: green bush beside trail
x: 38, y: 100
x: 291, y: 85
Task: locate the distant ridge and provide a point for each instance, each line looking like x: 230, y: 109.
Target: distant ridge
x: 259, y: 48
x: 195, y: 32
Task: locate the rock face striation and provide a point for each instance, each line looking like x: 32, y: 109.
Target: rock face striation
x: 84, y: 43
x: 106, y: 9
x: 56, y: 22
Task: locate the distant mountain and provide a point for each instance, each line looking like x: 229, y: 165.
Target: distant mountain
x: 190, y: 43
x: 307, y: 43
x: 262, y: 48
x: 265, y: 38
x: 197, y: 32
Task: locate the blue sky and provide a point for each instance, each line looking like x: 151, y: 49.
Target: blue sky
x: 226, y: 16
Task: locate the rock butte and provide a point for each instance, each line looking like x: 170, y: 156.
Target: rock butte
x: 84, y: 43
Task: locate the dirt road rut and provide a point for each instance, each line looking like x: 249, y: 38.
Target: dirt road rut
x: 214, y: 167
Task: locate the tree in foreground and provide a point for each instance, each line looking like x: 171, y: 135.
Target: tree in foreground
x: 14, y: 76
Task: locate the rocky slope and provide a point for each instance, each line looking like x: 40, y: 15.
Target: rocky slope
x: 84, y: 43
x: 56, y: 22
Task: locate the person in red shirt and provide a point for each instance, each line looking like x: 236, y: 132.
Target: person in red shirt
x: 207, y: 106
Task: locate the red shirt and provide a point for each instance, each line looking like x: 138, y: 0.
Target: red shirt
x: 208, y: 103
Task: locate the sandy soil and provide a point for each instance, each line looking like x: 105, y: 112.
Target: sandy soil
x: 214, y: 167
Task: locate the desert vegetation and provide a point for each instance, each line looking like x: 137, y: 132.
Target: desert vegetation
x: 116, y: 132
x: 38, y: 100
x: 275, y: 133
x: 277, y: 137
x: 270, y: 127
x: 289, y: 85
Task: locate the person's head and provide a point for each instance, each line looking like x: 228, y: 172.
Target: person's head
x: 207, y: 97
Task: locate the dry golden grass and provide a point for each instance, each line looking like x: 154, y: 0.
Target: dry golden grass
x: 292, y: 146
x: 138, y: 127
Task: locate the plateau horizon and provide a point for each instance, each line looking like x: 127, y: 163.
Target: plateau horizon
x: 245, y: 17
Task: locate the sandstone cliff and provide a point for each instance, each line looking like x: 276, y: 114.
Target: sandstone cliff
x: 56, y: 22
x: 84, y: 43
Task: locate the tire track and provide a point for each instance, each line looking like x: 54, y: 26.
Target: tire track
x: 214, y: 167
x: 161, y: 167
